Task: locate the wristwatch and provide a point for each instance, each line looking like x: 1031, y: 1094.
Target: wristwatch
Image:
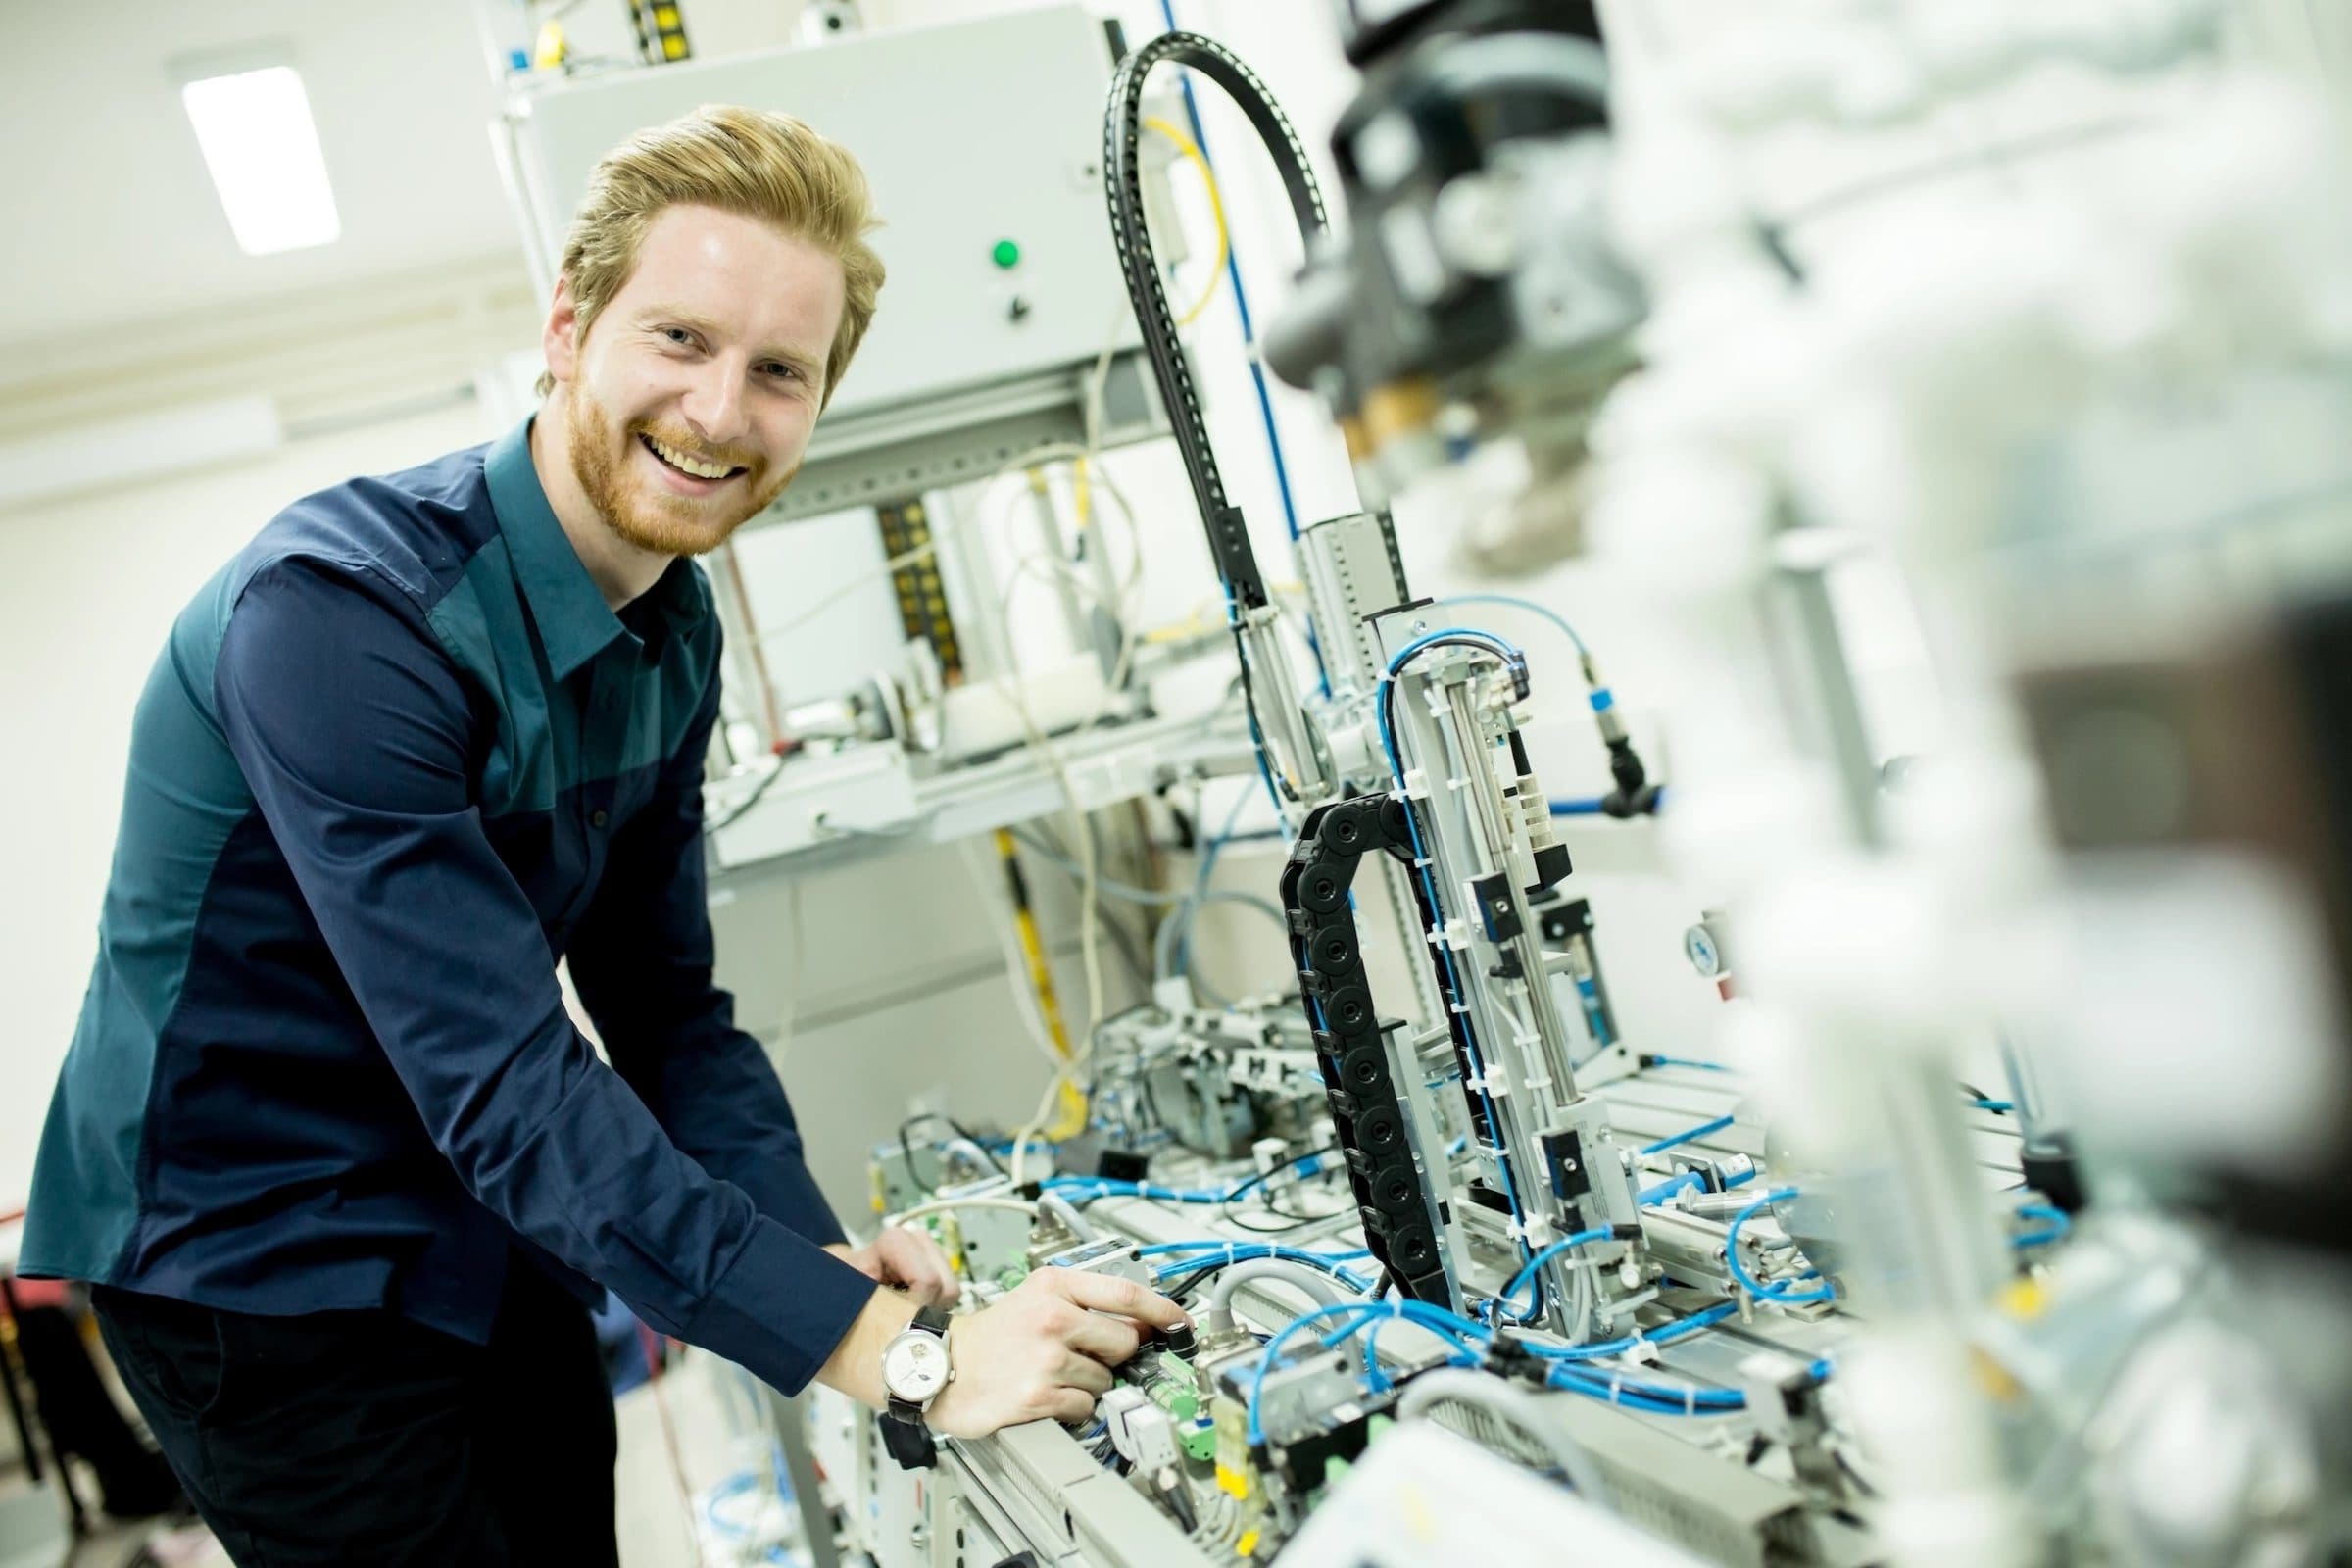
x: 915, y: 1369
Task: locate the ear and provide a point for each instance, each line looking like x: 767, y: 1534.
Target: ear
x: 560, y: 338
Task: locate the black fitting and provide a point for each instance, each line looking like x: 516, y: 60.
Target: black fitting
x: 1634, y: 796
x: 2050, y: 1168
x: 1507, y: 1357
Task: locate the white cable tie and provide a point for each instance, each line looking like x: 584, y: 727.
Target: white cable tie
x: 1690, y: 1398
x: 1616, y: 1385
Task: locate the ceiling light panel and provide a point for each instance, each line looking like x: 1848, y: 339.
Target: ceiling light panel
x: 261, y: 146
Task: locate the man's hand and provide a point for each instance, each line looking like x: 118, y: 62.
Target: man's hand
x: 1046, y: 1349
x: 905, y: 1258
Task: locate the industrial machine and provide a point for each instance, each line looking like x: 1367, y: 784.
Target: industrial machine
x: 1996, y: 1221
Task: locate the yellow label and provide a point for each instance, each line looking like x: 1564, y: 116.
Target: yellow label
x: 1233, y: 1481
x: 1246, y: 1546
x: 2024, y: 1299
x: 1993, y: 1378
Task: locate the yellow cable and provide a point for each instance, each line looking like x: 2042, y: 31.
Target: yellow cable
x: 1041, y: 981
x: 1216, y: 205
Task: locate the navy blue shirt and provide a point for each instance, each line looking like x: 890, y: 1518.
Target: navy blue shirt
x: 397, y: 758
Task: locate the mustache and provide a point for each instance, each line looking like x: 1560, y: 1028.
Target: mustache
x: 687, y: 442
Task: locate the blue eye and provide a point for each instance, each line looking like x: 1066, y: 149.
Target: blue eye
x: 777, y: 367
x: 679, y: 335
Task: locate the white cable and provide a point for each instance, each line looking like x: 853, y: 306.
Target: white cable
x: 941, y: 1205
x: 1062, y: 1208
x: 1028, y: 1129
x: 1325, y: 1290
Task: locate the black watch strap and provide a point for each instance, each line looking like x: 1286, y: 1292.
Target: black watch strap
x: 909, y: 1442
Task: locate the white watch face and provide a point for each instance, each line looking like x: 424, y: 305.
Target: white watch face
x: 915, y: 1366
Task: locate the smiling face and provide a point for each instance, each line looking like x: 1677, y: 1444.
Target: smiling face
x: 688, y: 403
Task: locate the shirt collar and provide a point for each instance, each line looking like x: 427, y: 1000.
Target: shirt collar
x: 575, y: 622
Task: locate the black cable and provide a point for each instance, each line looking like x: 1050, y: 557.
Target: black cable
x: 1851, y: 1474
x: 1267, y: 1175
x: 748, y: 801
x: 1296, y: 1221
x: 1176, y: 1289
x: 906, y: 1146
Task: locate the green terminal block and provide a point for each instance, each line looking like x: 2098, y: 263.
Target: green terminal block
x: 1170, y: 1386
x: 1200, y: 1441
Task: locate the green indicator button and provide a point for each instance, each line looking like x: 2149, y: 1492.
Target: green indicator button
x: 1007, y: 254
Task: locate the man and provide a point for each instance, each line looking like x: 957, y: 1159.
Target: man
x: 326, y: 1141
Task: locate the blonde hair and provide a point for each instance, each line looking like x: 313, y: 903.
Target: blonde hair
x: 754, y: 162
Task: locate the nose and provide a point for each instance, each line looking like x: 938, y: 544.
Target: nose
x: 713, y: 402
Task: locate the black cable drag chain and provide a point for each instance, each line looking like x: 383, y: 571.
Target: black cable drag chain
x: 1367, y: 1116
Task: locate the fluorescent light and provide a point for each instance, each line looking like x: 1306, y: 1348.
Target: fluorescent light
x: 259, y: 142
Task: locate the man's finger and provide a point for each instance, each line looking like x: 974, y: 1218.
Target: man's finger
x: 923, y: 1265
x: 1106, y: 1293
x: 1109, y: 1340
x: 1091, y: 1375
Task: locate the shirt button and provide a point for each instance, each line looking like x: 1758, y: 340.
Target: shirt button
x: 599, y: 817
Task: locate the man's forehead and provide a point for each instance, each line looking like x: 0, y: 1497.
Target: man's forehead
x: 736, y: 275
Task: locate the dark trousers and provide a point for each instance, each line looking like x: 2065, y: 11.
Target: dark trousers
x: 361, y: 1437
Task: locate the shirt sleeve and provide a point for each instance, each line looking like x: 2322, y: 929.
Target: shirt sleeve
x: 642, y: 958
x: 354, y: 734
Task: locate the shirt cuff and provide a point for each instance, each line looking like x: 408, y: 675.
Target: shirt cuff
x: 787, y: 1193
x: 781, y: 1307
